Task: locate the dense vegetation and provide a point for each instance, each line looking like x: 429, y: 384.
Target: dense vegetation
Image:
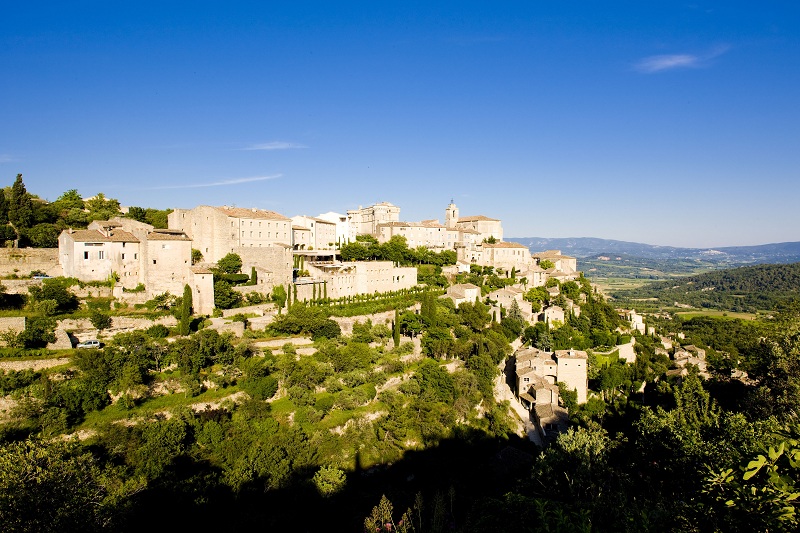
x: 33, y: 222
x: 750, y: 289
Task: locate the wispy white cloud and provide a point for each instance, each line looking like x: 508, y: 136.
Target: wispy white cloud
x: 659, y: 63
x: 6, y: 158
x: 275, y: 145
x: 221, y: 183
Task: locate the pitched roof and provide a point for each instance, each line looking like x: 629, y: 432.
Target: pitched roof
x: 200, y: 270
x: 477, y: 218
x: 504, y: 244
x: 167, y: 235
x: 241, y: 212
x: 572, y: 354
x: 93, y: 235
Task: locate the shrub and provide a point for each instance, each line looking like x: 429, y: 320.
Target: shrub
x: 157, y: 331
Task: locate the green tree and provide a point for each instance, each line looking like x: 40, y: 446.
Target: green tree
x: 100, y: 320
x: 230, y: 264
x: 20, y: 206
x: 57, y: 486
x: 197, y: 256
x: 102, y: 208
x: 224, y: 295
x: 3, y: 208
x: 42, y: 236
x: 279, y: 297
x: 137, y: 213
x: 186, y: 311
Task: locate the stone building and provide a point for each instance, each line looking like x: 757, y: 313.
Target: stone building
x: 463, y: 292
x: 342, y: 224
x: 428, y: 233
x: 360, y: 277
x: 485, y: 226
x: 323, y: 232
x: 365, y: 220
x: 563, y: 263
x: 218, y: 231
x: 134, y: 253
x: 538, y: 373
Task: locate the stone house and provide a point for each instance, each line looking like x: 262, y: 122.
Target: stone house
x: 323, y: 232
x: 428, y: 233
x: 365, y: 220
x: 505, y: 296
x: 342, y: 226
x: 218, y: 231
x: 360, y: 277
x: 563, y: 263
x: 135, y: 253
x: 463, y: 292
x: 485, y: 227
x: 538, y: 372
x: 302, y: 238
x: 552, y: 314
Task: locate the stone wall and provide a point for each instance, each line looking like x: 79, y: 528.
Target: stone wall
x: 346, y: 323
x: 12, y: 323
x: 260, y: 310
x: 19, y: 286
x: 119, y: 324
x: 23, y: 261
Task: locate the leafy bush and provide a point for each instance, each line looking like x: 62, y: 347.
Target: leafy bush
x: 157, y: 331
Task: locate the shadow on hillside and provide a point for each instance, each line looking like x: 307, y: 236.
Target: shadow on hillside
x: 193, y: 499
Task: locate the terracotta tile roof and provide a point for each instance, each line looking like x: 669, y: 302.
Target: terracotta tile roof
x: 477, y: 218
x: 571, y: 354
x: 394, y: 224
x: 167, y: 235
x: 300, y: 228
x: 241, y: 212
x: 200, y: 270
x: 504, y: 244
x: 92, y: 235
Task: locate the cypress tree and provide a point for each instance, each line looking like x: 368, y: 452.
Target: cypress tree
x: 3, y: 208
x: 325, y: 289
x: 396, y: 329
x: 186, y: 311
x: 20, y: 208
x: 253, y: 276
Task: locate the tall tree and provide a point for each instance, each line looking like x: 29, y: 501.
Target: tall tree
x: 3, y: 208
x: 20, y: 208
x: 186, y: 310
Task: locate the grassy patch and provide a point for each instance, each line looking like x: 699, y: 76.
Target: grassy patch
x: 688, y: 315
x: 116, y: 411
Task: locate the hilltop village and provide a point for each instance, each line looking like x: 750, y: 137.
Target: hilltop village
x: 235, y: 358
x: 271, y: 246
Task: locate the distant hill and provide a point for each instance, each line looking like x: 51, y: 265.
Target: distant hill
x: 750, y: 288
x: 584, y: 247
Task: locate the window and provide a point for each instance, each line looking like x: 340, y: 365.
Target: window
x: 154, y: 261
x: 135, y: 256
x: 86, y: 255
x: 123, y: 256
x: 101, y: 254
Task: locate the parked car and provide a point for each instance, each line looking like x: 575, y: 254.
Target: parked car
x: 93, y: 343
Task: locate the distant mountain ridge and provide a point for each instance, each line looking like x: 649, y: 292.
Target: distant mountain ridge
x: 586, y: 247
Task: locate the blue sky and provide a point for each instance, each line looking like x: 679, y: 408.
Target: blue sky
x: 660, y: 122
